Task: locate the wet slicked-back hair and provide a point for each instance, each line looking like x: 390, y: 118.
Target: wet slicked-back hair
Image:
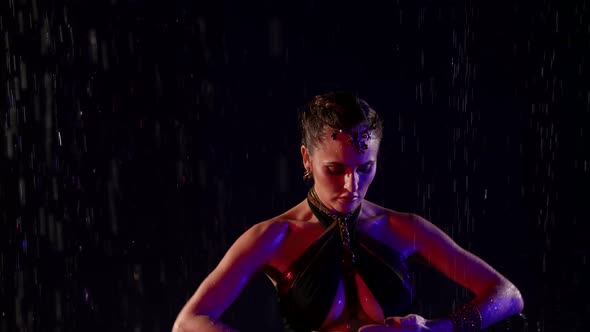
x: 336, y: 110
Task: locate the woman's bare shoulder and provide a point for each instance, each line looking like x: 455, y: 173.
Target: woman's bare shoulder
x: 407, y: 225
x: 375, y: 210
x: 277, y: 227
x: 268, y: 230
x: 391, y: 227
x: 416, y: 228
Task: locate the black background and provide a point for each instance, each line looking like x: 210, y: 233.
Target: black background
x: 140, y: 138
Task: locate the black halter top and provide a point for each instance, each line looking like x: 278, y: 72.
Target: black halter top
x: 306, y: 291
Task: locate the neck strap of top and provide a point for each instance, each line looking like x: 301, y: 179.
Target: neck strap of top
x: 346, y: 222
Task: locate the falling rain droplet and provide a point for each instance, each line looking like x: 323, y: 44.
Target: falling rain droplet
x: 22, y: 192
x: 93, y: 46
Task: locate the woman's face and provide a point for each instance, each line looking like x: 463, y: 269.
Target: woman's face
x: 341, y: 175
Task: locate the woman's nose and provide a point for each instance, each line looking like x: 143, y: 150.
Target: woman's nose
x: 351, y: 181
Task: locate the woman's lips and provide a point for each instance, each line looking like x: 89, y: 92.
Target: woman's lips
x: 348, y: 199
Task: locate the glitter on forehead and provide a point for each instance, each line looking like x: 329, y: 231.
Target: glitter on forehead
x: 357, y: 140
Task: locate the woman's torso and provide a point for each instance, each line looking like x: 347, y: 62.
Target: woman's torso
x: 385, y: 226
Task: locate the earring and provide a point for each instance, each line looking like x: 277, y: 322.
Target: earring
x: 307, y: 175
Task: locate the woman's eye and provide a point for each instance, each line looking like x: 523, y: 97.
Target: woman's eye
x: 335, y: 170
x: 341, y: 170
x: 365, y: 169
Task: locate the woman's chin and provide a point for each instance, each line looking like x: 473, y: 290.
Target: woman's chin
x: 346, y: 207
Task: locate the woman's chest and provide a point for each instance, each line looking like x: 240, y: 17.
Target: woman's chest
x: 302, y: 237
x: 311, y: 268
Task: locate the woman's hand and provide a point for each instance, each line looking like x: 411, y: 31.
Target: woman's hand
x: 409, y: 323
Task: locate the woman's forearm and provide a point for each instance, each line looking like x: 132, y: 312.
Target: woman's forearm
x: 199, y: 323
x: 498, y: 304
x: 488, y: 308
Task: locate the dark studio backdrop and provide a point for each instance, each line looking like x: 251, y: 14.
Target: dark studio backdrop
x: 140, y: 138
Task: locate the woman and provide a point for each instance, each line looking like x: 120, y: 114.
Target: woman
x: 338, y: 260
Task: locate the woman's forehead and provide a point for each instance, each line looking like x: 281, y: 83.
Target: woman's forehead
x: 340, y: 151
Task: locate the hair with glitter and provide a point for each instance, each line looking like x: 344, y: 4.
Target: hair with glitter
x: 332, y: 111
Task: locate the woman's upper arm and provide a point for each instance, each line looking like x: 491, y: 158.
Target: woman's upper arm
x: 249, y: 252
x: 453, y: 261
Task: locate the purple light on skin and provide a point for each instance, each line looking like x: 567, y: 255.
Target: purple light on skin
x: 24, y: 244
x: 86, y: 295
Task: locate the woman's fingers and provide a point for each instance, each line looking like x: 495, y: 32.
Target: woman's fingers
x: 393, y: 321
x: 412, y: 320
x: 406, y: 321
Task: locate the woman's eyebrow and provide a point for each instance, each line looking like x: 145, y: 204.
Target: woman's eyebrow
x: 335, y: 163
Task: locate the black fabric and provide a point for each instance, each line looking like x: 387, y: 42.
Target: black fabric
x: 307, y: 289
